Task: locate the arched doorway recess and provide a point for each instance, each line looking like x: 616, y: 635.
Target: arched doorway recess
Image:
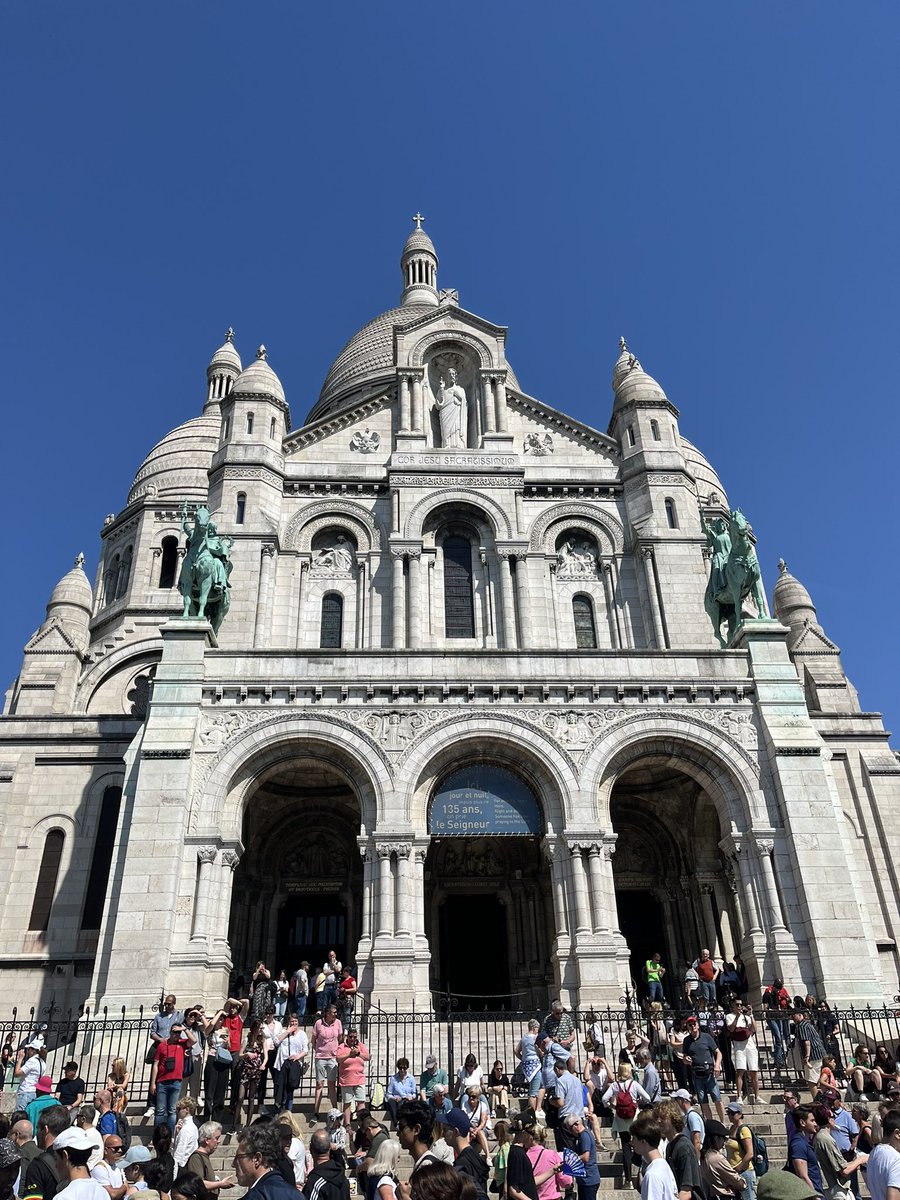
x: 298, y: 887
x: 488, y: 901
x: 674, y: 890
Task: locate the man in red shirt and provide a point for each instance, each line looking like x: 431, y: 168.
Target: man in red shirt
x: 167, y: 1074
x: 708, y: 973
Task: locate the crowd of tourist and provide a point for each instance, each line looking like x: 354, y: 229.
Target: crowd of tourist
x: 668, y: 1098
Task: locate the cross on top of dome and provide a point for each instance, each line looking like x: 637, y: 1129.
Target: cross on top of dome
x: 418, y: 218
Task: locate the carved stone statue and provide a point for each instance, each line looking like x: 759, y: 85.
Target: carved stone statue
x: 204, y: 579
x: 538, y: 443
x: 334, y: 560
x: 577, y: 559
x: 453, y: 409
x: 734, y: 573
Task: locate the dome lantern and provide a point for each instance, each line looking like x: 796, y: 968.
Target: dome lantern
x: 418, y: 266
x: 224, y: 368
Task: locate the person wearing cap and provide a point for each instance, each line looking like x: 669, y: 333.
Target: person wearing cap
x: 42, y: 1180
x: 467, y: 1160
x: 28, y: 1069
x: 43, y: 1099
x: 739, y: 1147
x: 73, y: 1148
x: 703, y: 1058
x: 10, y: 1166
x: 694, y: 1126
x: 133, y: 1168
x: 721, y: 1178
x: 430, y: 1076
x: 84, y: 1119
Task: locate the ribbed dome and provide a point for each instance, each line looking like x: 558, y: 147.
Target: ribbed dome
x: 178, y: 466
x: 707, y: 479
x: 630, y: 381
x: 226, y: 355
x: 790, y: 599
x: 419, y: 240
x: 73, y: 590
x: 259, y: 380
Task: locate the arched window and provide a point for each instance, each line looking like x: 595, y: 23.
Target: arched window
x: 459, y: 606
x: 249, y: 422
x: 630, y: 435
x: 671, y: 514
x: 240, y: 508
x: 654, y: 430
x: 168, y: 568
x: 124, y: 573
x: 272, y: 428
x: 331, y: 635
x: 585, y: 628
x: 226, y: 429
x: 107, y: 823
x: 110, y: 580
x: 48, y: 875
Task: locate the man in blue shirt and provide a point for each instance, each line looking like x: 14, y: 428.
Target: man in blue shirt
x: 845, y: 1132
x: 801, y: 1155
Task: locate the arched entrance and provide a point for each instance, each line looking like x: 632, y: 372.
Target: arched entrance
x: 488, y: 902
x: 298, y: 888
x: 673, y: 892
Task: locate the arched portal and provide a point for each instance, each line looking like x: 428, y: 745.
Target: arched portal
x: 488, y: 902
x: 298, y: 888
x: 673, y: 893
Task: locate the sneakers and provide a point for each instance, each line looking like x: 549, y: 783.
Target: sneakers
x: 151, y: 1112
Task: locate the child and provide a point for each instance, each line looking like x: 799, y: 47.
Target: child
x: 337, y: 1135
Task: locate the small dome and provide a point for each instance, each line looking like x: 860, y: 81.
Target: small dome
x: 709, y: 486
x: 630, y: 381
x: 259, y: 380
x: 791, y: 601
x: 418, y: 240
x: 73, y: 590
x: 178, y: 466
x: 226, y: 355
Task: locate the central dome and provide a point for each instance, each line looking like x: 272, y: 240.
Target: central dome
x: 367, y: 358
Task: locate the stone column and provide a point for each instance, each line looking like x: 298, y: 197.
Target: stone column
x: 500, y: 393
x: 414, y: 559
x: 595, y: 872
x: 404, y: 402
x: 523, y: 597
x: 262, y: 629
x: 750, y: 912
x: 508, y: 603
x: 609, y: 596
x: 487, y: 394
x: 402, y: 924
x: 417, y: 895
x: 301, y: 598
x: 385, y: 890
x: 555, y: 856
x: 361, y: 595
x: 765, y: 848
x: 653, y: 599
x: 207, y: 858
x: 398, y: 612
x: 579, y: 886
x: 221, y: 918
x: 367, y: 930
x: 708, y: 914
x: 486, y: 630
x: 418, y: 422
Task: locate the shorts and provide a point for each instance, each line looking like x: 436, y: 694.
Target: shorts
x: 326, y: 1070
x: 812, y: 1070
x: 745, y: 1056
x: 707, y: 1088
x: 356, y: 1093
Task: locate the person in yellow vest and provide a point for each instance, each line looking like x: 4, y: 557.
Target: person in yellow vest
x: 654, y: 971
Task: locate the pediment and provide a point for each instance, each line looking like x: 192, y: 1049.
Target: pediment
x: 813, y: 641
x: 552, y: 421
x: 52, y: 639
x: 362, y: 413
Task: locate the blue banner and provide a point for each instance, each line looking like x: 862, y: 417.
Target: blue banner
x: 484, y: 801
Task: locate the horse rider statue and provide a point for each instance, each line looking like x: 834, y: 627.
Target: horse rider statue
x: 734, y: 573
x: 203, y: 581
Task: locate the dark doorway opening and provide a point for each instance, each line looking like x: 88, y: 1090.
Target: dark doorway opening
x: 474, y: 957
x: 308, y: 927
x: 641, y: 924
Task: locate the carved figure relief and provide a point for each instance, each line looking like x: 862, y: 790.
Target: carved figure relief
x: 538, y: 443
x: 577, y: 558
x: 466, y: 859
x: 319, y: 858
x: 453, y: 410
x: 334, y: 560
x: 365, y: 442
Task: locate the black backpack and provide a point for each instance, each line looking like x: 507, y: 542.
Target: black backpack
x: 123, y: 1129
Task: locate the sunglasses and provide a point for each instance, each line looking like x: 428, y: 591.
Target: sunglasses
x: 116, y: 1149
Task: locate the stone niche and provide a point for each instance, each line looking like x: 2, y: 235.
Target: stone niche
x: 440, y: 363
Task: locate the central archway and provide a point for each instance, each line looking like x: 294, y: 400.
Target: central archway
x: 488, y: 903
x: 298, y: 888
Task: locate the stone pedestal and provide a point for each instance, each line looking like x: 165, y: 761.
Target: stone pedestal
x: 138, y: 934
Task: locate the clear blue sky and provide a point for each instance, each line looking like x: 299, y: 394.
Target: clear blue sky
x: 717, y: 181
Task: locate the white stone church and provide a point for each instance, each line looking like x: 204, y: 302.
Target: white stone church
x: 466, y: 720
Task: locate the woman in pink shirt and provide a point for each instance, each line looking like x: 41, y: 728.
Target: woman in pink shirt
x: 352, y: 1057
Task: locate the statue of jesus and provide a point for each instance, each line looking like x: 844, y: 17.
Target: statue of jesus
x: 453, y: 409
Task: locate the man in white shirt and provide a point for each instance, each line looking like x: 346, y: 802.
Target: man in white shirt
x: 658, y: 1182
x: 883, y: 1169
x: 107, y: 1172
x: 73, y: 1149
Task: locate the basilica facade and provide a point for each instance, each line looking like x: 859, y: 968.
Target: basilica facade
x: 465, y: 719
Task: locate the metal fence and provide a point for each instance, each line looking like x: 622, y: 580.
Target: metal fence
x: 94, y: 1040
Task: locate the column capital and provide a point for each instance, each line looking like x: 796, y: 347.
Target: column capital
x: 403, y: 849
x: 207, y: 854
x: 384, y: 849
x: 765, y: 846
x: 646, y: 550
x: 267, y: 550
x: 230, y: 858
x: 398, y: 553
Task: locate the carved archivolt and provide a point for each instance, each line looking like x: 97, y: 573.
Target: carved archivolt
x: 324, y: 513
x: 493, y: 512
x: 450, y: 338
x: 603, y: 525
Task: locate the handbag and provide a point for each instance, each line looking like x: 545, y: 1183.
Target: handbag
x: 224, y: 1055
